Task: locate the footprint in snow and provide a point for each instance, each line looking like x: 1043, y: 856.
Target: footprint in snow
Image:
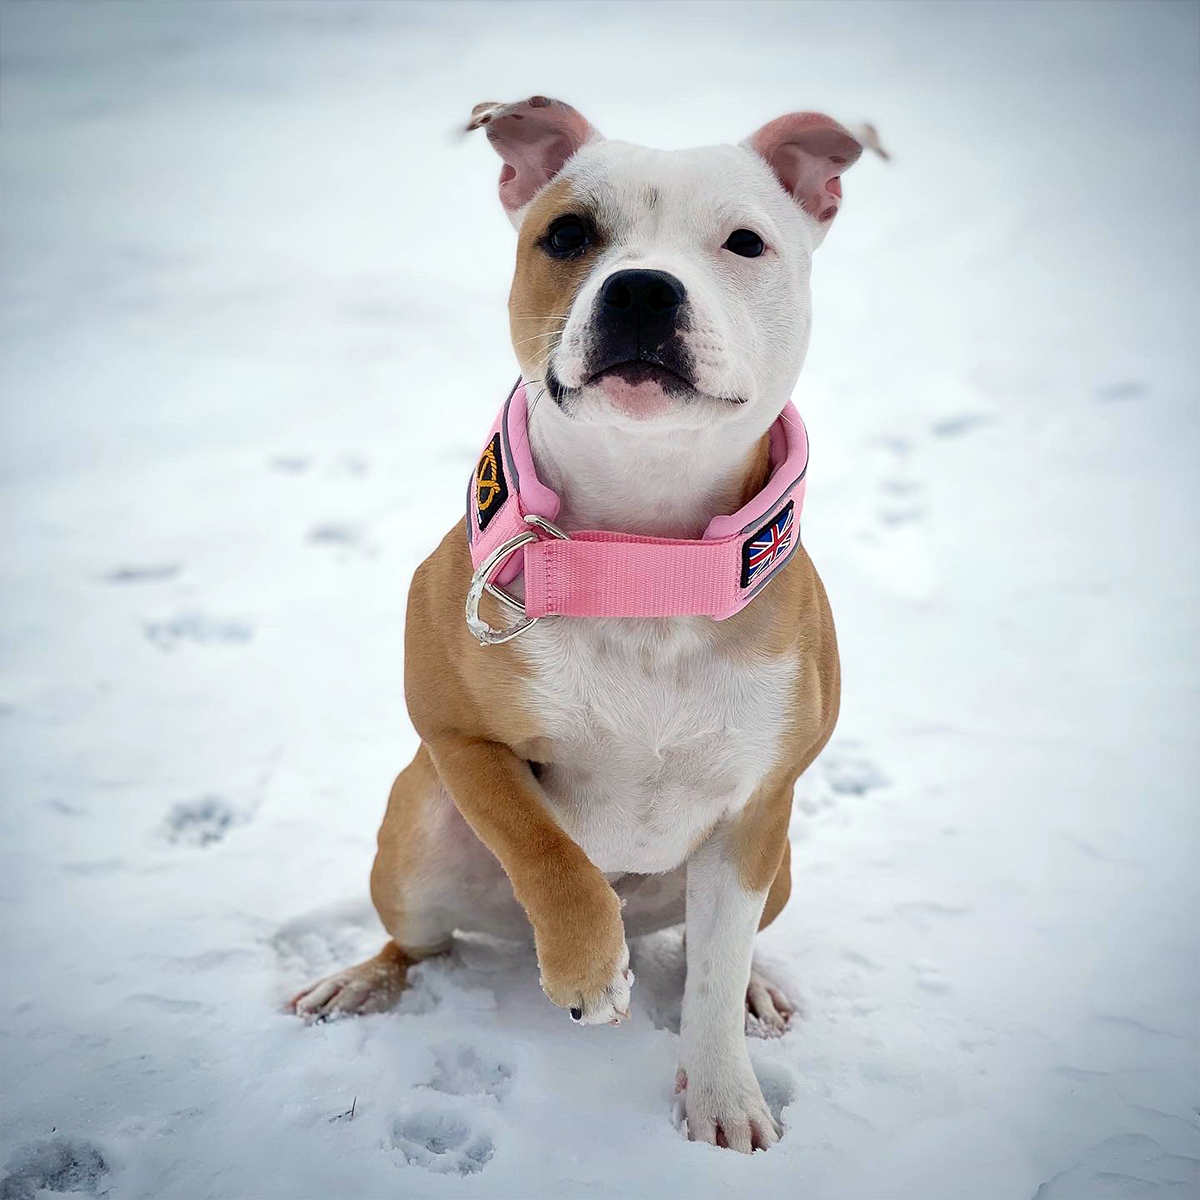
x: 290, y: 464
x: 843, y: 772
x: 201, y: 822
x: 930, y: 977
x: 197, y: 628
x: 901, y: 502
x: 462, y: 1070
x: 57, y: 1164
x: 143, y: 573
x: 852, y: 774
x: 921, y: 914
x: 352, y: 465
x: 443, y: 1142
x: 344, y: 538
x: 959, y: 424
x: 890, y: 542
x: 318, y: 943
x: 1127, y: 1164
x: 898, y: 446
x: 1127, y: 389
x: 335, y: 533
x: 906, y: 515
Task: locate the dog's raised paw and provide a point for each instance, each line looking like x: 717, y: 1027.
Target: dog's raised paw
x: 442, y: 1142
x: 589, y: 1002
x: 609, y: 1006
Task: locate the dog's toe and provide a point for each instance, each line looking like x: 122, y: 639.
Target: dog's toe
x: 725, y: 1110
x: 608, y: 1005
x: 371, y: 986
x: 768, y: 1011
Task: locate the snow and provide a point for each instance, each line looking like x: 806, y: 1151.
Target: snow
x: 253, y: 332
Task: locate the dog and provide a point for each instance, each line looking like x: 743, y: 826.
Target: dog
x: 610, y: 740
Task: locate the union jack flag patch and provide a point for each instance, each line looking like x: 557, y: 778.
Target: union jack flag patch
x: 767, y: 546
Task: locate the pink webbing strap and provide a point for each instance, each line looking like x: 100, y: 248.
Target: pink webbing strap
x: 597, y: 573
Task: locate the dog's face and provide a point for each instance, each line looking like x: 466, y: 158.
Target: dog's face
x: 663, y: 286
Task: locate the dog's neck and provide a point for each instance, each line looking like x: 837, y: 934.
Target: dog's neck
x: 638, y: 481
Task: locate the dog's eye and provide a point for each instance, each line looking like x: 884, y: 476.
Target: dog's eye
x: 567, y: 237
x: 745, y: 242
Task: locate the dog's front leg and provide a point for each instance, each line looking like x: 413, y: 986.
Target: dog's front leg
x: 720, y: 1096
x: 575, y: 914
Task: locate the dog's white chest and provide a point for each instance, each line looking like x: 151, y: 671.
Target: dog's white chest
x: 655, y: 735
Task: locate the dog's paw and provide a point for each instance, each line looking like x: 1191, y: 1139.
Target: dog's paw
x: 584, y: 961
x: 597, y: 995
x: 370, y: 987
x: 769, y: 1012
x: 725, y: 1108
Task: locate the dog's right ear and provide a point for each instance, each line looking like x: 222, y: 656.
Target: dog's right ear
x: 534, y: 137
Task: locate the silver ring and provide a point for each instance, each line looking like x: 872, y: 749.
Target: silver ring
x: 481, y: 582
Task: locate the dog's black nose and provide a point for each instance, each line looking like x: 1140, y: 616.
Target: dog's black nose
x: 640, y: 317
x: 644, y: 296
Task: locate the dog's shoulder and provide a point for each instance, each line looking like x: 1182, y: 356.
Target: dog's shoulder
x: 451, y: 683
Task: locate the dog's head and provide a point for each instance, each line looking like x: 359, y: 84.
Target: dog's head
x: 665, y: 285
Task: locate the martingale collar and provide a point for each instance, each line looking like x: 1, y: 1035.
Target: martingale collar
x: 598, y: 573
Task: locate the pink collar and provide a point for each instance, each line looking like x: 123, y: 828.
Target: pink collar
x: 597, y: 573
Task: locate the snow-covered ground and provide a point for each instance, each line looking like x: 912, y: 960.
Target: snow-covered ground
x: 253, y: 333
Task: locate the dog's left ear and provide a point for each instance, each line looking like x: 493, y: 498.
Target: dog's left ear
x: 808, y: 153
x: 535, y: 137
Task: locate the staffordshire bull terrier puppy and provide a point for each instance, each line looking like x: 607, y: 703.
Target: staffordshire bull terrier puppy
x: 610, y: 739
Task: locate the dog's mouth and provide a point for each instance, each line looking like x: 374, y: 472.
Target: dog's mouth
x: 640, y: 372
x: 640, y: 387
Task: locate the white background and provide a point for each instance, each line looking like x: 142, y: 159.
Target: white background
x: 253, y: 334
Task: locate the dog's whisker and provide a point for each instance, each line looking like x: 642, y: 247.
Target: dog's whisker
x: 533, y: 337
x: 534, y: 402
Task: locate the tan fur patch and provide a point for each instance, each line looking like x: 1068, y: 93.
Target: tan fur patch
x: 760, y: 832
x: 401, y: 844
x: 781, y: 889
x: 544, y: 288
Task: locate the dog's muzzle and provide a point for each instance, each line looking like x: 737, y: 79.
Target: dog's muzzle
x: 639, y: 317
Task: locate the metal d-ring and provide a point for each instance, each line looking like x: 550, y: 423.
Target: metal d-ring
x: 481, y: 582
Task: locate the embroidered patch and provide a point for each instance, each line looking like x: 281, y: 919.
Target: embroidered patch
x: 491, y: 490
x: 767, y: 546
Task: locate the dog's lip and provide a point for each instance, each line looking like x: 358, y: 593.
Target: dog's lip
x: 642, y: 364
x: 560, y: 391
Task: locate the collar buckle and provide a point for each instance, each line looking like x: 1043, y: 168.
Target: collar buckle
x: 481, y: 582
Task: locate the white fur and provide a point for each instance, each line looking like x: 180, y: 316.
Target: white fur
x: 657, y: 738
x: 750, y: 317
x: 721, y: 1089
